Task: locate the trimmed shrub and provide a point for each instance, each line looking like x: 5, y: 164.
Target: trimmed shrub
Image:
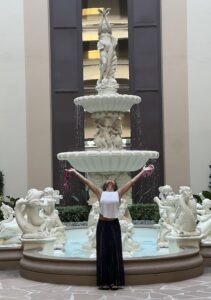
x: 80, y: 213
x: 1, y: 183
x: 148, y: 211
x: 9, y: 201
x: 76, y: 213
x: 207, y: 194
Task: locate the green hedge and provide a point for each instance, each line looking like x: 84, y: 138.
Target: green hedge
x: 79, y: 213
x: 1, y: 182
x: 147, y: 211
x: 76, y: 213
x: 205, y: 194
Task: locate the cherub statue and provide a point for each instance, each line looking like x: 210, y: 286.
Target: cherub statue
x: 10, y: 232
x: 92, y: 224
x: 127, y: 229
x: 204, y: 218
x: 8, y: 213
x: 52, y: 222
x: 102, y: 137
x: 115, y: 132
x: 167, y: 210
x: 186, y: 213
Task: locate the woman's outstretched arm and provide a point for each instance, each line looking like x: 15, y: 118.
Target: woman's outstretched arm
x: 145, y: 172
x: 96, y: 190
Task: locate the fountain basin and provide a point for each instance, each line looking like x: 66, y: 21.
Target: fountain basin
x: 108, y: 102
x: 108, y: 161
x: 10, y: 257
x: 163, y: 267
x: 144, y: 270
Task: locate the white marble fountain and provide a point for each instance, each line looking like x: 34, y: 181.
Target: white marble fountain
x: 41, y: 230
x: 107, y: 109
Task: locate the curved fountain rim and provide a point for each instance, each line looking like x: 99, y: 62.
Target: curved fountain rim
x: 109, y: 152
x: 113, y: 103
x: 105, y: 160
x: 7, y: 247
x: 103, y: 96
x: 153, y: 226
x: 185, y: 252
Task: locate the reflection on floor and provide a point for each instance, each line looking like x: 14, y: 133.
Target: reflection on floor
x: 12, y: 286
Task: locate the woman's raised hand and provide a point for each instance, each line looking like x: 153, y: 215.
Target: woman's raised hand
x: 71, y: 170
x: 147, y: 171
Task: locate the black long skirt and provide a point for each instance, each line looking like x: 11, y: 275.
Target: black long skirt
x: 110, y: 268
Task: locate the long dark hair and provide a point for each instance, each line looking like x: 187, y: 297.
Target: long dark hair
x: 106, y: 184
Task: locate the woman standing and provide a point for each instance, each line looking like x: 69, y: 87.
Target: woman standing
x: 110, y: 268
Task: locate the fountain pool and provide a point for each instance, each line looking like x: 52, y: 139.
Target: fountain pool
x: 145, y: 236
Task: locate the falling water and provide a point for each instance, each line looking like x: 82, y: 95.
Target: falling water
x: 79, y: 134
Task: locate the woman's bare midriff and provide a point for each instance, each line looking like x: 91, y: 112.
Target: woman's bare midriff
x: 102, y: 218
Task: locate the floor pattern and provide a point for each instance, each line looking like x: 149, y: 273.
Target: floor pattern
x: 14, y: 287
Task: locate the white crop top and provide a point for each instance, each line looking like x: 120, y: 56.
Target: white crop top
x: 109, y: 204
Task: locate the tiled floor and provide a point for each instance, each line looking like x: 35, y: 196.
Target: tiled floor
x: 12, y: 286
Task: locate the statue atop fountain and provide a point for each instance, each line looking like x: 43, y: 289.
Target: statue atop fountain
x: 108, y: 59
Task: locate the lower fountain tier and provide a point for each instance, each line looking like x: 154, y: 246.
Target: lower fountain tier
x: 108, y: 161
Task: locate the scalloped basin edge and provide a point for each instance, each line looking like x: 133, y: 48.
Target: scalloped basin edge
x: 108, y: 161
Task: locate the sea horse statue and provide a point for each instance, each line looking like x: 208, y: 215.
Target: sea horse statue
x: 108, y: 59
x: 27, y: 215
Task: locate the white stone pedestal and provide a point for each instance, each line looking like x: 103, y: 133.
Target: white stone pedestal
x: 178, y: 242
x: 46, y: 245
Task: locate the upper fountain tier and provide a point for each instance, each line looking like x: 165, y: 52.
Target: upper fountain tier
x: 109, y: 102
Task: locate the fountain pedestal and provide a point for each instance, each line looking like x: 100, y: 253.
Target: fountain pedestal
x: 178, y: 242
x: 46, y: 245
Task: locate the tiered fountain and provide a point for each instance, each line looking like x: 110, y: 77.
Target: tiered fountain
x: 107, y: 109
x: 109, y: 159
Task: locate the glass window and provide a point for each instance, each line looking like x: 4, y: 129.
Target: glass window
x: 90, y: 22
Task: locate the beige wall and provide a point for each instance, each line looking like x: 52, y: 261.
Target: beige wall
x: 199, y: 91
x: 36, y: 26
x: 175, y: 92
x: 13, y: 143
